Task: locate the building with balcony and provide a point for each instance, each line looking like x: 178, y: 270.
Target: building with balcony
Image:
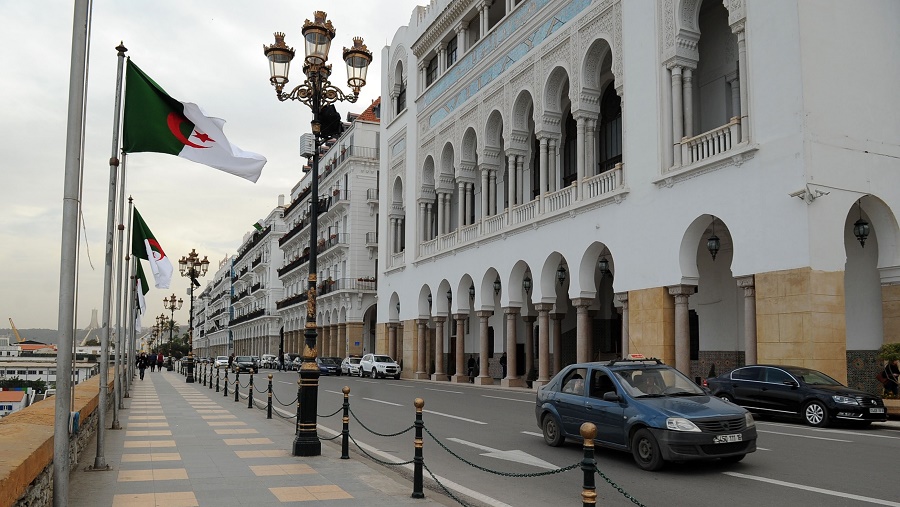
x: 254, y: 324
x: 346, y: 244
x: 212, y: 330
x: 711, y: 183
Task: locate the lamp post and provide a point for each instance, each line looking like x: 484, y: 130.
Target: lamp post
x: 316, y: 91
x: 171, y: 304
x: 192, y: 267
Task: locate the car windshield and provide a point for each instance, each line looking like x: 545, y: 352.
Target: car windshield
x: 383, y: 359
x: 813, y: 377
x: 328, y: 360
x: 354, y: 360
x: 244, y: 359
x: 652, y: 382
x: 222, y: 358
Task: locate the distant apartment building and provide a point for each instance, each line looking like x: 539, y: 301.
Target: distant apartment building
x: 212, y: 336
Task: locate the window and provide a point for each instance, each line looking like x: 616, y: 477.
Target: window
x: 431, y: 71
x: 751, y: 373
x: 610, y: 131
x: 401, y: 98
x: 570, y: 150
x: 574, y: 382
x: 776, y: 376
x: 451, y: 52
x: 600, y: 384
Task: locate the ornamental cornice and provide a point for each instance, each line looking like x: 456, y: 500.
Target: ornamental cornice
x: 446, y: 21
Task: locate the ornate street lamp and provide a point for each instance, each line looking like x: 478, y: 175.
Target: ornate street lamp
x: 192, y: 267
x: 713, y: 244
x: 171, y: 304
x: 861, y: 227
x: 561, y: 274
x: 526, y: 284
x: 316, y: 92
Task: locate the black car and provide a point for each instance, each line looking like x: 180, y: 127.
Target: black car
x: 795, y: 391
x: 244, y: 364
x: 327, y: 366
x: 646, y: 408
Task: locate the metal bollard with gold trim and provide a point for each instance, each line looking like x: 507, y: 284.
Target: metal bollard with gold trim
x: 297, y: 426
x: 269, y: 404
x: 418, y: 461
x: 203, y: 374
x: 217, y: 380
x: 345, y: 431
x: 226, y: 383
x: 237, y: 384
x: 588, y: 465
x: 250, y: 391
x: 210, y: 376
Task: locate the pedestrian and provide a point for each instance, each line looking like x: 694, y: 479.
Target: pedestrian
x: 159, y: 361
x: 470, y: 364
x: 892, y: 377
x: 142, y: 364
x: 230, y: 360
x: 503, y: 364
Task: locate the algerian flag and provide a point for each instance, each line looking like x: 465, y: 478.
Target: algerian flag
x: 141, y: 288
x: 259, y: 225
x: 145, y: 246
x: 156, y: 122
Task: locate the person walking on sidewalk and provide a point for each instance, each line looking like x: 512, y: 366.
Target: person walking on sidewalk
x: 142, y: 364
x: 892, y: 377
x: 151, y: 360
x: 159, y: 361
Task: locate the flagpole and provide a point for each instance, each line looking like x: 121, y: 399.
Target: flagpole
x: 129, y: 316
x: 100, y: 459
x: 120, y: 270
x: 68, y: 249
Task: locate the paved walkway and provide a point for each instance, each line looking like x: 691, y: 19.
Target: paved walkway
x: 184, y: 445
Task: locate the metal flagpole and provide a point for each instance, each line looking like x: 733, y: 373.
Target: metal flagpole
x: 120, y: 270
x: 128, y: 340
x: 68, y: 249
x: 100, y: 459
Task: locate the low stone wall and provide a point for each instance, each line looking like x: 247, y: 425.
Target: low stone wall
x: 26, y: 437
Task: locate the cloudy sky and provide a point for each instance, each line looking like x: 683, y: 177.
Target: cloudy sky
x: 209, y: 53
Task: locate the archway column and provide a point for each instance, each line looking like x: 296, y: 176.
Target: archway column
x: 583, y: 329
x: 677, y: 114
x: 439, y: 349
x: 738, y: 29
x: 529, y: 343
x: 421, y: 365
x: 392, y: 340
x: 543, y: 178
x: 512, y: 319
x: 748, y: 284
x: 557, y: 341
x: 483, y: 378
x: 580, y: 121
x: 543, y: 318
x: 460, y: 377
x: 511, y: 180
x: 343, y: 349
x: 682, y: 327
x: 622, y: 297
x: 484, y: 192
x: 461, y: 205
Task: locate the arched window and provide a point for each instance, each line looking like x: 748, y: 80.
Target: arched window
x: 610, y: 152
x: 570, y: 151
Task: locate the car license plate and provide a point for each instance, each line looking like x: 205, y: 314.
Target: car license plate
x: 724, y: 439
x: 878, y: 410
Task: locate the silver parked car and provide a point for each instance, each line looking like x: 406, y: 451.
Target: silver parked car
x: 350, y: 366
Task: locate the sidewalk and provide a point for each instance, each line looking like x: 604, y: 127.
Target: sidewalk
x: 184, y: 445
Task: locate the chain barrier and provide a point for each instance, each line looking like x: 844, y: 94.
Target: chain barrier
x: 618, y: 488
x: 284, y: 404
x: 444, y: 488
x: 495, y: 472
x: 264, y: 390
x: 379, y: 461
x: 330, y: 438
x: 331, y: 414
x: 375, y: 432
x: 244, y: 386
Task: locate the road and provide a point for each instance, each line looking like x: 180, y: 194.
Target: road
x: 495, y: 428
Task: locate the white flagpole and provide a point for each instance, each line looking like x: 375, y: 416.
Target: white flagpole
x: 128, y: 343
x: 120, y: 260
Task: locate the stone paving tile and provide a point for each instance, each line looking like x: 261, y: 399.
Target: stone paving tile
x: 289, y: 469
x: 152, y: 444
x: 308, y: 493
x: 178, y: 499
x: 237, y: 431
x: 152, y: 457
x: 266, y: 453
x: 226, y: 423
x: 158, y: 474
x: 148, y: 433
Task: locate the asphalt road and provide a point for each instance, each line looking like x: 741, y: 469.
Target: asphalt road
x: 495, y: 429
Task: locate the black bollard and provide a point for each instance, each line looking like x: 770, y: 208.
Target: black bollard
x: 217, y: 380
x: 210, y: 376
x: 226, y: 383
x: 203, y: 373
x: 237, y: 384
x: 297, y: 426
x: 345, y: 432
x: 250, y: 391
x: 588, y: 465
x: 418, y: 461
x: 269, y: 405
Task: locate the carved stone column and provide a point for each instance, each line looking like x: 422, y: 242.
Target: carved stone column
x: 511, y: 180
x: 580, y: 121
x: 622, y: 297
x: 748, y: 283
x: 738, y: 29
x: 421, y: 365
x: 485, y: 203
x: 544, y: 161
x: 682, y: 327
x: 461, y: 376
x: 492, y: 191
x: 543, y: 310
x: 461, y: 205
x: 343, y: 348
x: 483, y: 378
x: 557, y: 341
x: 553, y: 177
x: 583, y: 340
x: 439, y: 349
x: 688, y: 93
x: 677, y: 115
x: 529, y: 343
x: 512, y: 320
x: 392, y: 341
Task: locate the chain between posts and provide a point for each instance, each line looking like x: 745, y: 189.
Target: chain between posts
x: 375, y: 432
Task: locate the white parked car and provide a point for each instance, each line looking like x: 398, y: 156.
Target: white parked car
x: 268, y: 361
x: 350, y: 366
x: 377, y: 365
x: 221, y: 362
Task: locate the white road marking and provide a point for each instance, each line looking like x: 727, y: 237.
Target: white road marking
x: 337, y: 392
x: 443, y: 390
x: 369, y: 381
x: 513, y: 455
x: 804, y: 436
x: 453, y: 417
x: 815, y: 490
x: 283, y: 382
x: 536, y: 434
x: 507, y: 399
x: 859, y: 434
x: 385, y: 402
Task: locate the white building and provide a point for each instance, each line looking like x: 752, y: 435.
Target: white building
x: 347, y: 244
x: 568, y: 180
x: 212, y: 336
x: 12, y: 401
x: 43, y: 368
x: 8, y: 348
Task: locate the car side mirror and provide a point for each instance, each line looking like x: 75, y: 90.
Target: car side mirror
x: 611, y: 396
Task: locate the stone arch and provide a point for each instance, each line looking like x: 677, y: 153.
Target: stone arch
x: 522, y: 120
x: 585, y: 279
x: 696, y: 236
x: 428, y: 174
x: 469, y: 152
x: 394, y: 308
x: 545, y: 286
x: 556, y: 95
x: 883, y: 221
x: 397, y: 194
x: 441, y: 305
x: 596, y: 69
x: 447, y: 170
x: 463, y: 301
x: 515, y: 294
x: 493, y: 130
x: 422, y: 302
x: 484, y: 291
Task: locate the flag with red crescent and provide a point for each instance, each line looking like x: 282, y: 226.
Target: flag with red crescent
x: 145, y: 246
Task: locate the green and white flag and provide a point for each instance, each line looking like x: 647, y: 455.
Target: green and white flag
x: 145, y: 246
x: 155, y: 122
x: 141, y: 289
x: 259, y: 225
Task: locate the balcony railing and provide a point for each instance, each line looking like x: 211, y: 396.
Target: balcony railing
x: 711, y: 143
x: 249, y: 316
x: 291, y: 300
x: 351, y: 284
x: 372, y: 195
x: 255, y: 287
x: 371, y: 239
x: 254, y: 240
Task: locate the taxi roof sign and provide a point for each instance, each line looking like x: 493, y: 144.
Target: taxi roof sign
x: 635, y: 357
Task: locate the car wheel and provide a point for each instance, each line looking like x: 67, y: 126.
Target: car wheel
x: 815, y: 414
x: 373, y: 373
x: 733, y: 459
x: 552, y: 432
x: 727, y: 397
x: 645, y: 450
x: 397, y: 377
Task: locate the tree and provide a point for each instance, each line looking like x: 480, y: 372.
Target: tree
x: 889, y: 351
x: 15, y: 382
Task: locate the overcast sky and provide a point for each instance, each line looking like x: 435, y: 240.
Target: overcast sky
x: 209, y: 53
